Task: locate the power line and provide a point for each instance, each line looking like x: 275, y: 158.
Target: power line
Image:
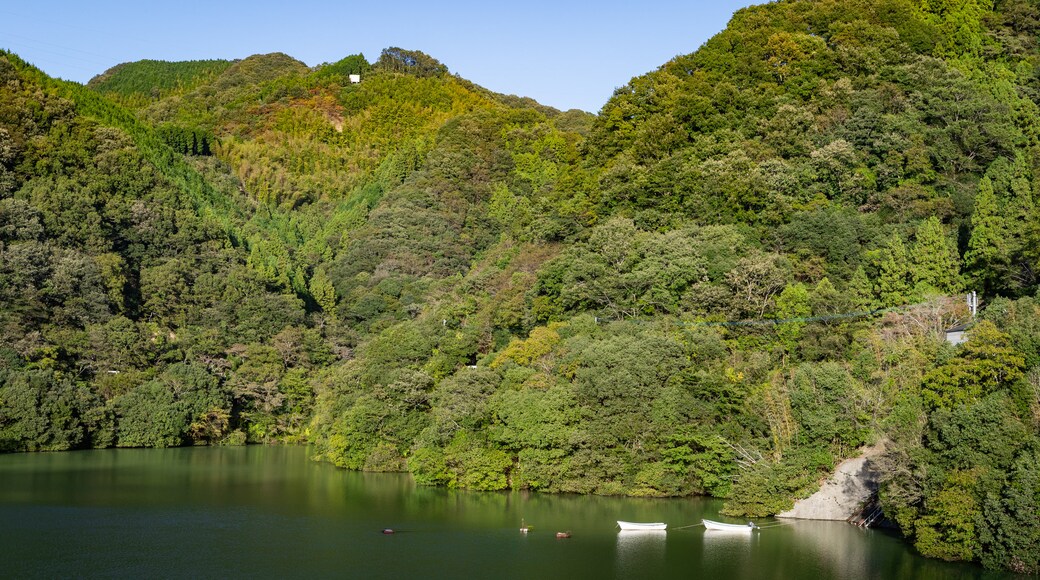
x: 33, y: 53
x: 28, y: 39
x: 776, y: 321
x: 805, y: 319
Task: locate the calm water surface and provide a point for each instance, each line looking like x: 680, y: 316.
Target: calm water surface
x: 269, y: 512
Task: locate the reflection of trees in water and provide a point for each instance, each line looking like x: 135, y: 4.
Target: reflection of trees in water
x: 840, y: 550
x: 798, y: 549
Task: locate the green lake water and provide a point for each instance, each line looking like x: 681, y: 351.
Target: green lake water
x: 270, y: 512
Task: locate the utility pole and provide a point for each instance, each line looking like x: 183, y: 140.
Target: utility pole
x: 973, y: 303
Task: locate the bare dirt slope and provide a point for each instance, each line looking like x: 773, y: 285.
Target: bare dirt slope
x: 844, y: 493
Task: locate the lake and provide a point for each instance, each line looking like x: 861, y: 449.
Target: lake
x: 270, y: 512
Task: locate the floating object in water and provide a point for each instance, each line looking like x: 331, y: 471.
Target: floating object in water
x: 563, y: 534
x: 388, y: 531
x: 628, y: 526
x: 721, y: 527
x: 524, y: 528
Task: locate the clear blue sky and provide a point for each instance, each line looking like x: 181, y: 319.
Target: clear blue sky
x: 564, y: 54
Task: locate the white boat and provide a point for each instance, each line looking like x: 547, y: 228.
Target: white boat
x: 634, y: 526
x: 721, y: 527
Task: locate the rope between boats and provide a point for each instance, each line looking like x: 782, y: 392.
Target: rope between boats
x: 773, y: 525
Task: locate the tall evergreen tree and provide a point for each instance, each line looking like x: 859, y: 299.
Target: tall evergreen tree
x: 987, y: 257
x: 933, y: 259
x: 895, y: 276
x: 323, y: 292
x: 1021, y: 219
x: 792, y: 304
x: 861, y: 290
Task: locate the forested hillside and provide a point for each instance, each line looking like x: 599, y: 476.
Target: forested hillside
x: 734, y: 276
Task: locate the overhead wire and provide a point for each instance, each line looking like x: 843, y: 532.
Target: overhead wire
x: 44, y: 51
x: 771, y: 321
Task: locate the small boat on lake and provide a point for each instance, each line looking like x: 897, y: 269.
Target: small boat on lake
x: 721, y: 527
x: 562, y: 535
x: 635, y: 526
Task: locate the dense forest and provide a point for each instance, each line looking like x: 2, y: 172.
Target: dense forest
x: 735, y: 275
